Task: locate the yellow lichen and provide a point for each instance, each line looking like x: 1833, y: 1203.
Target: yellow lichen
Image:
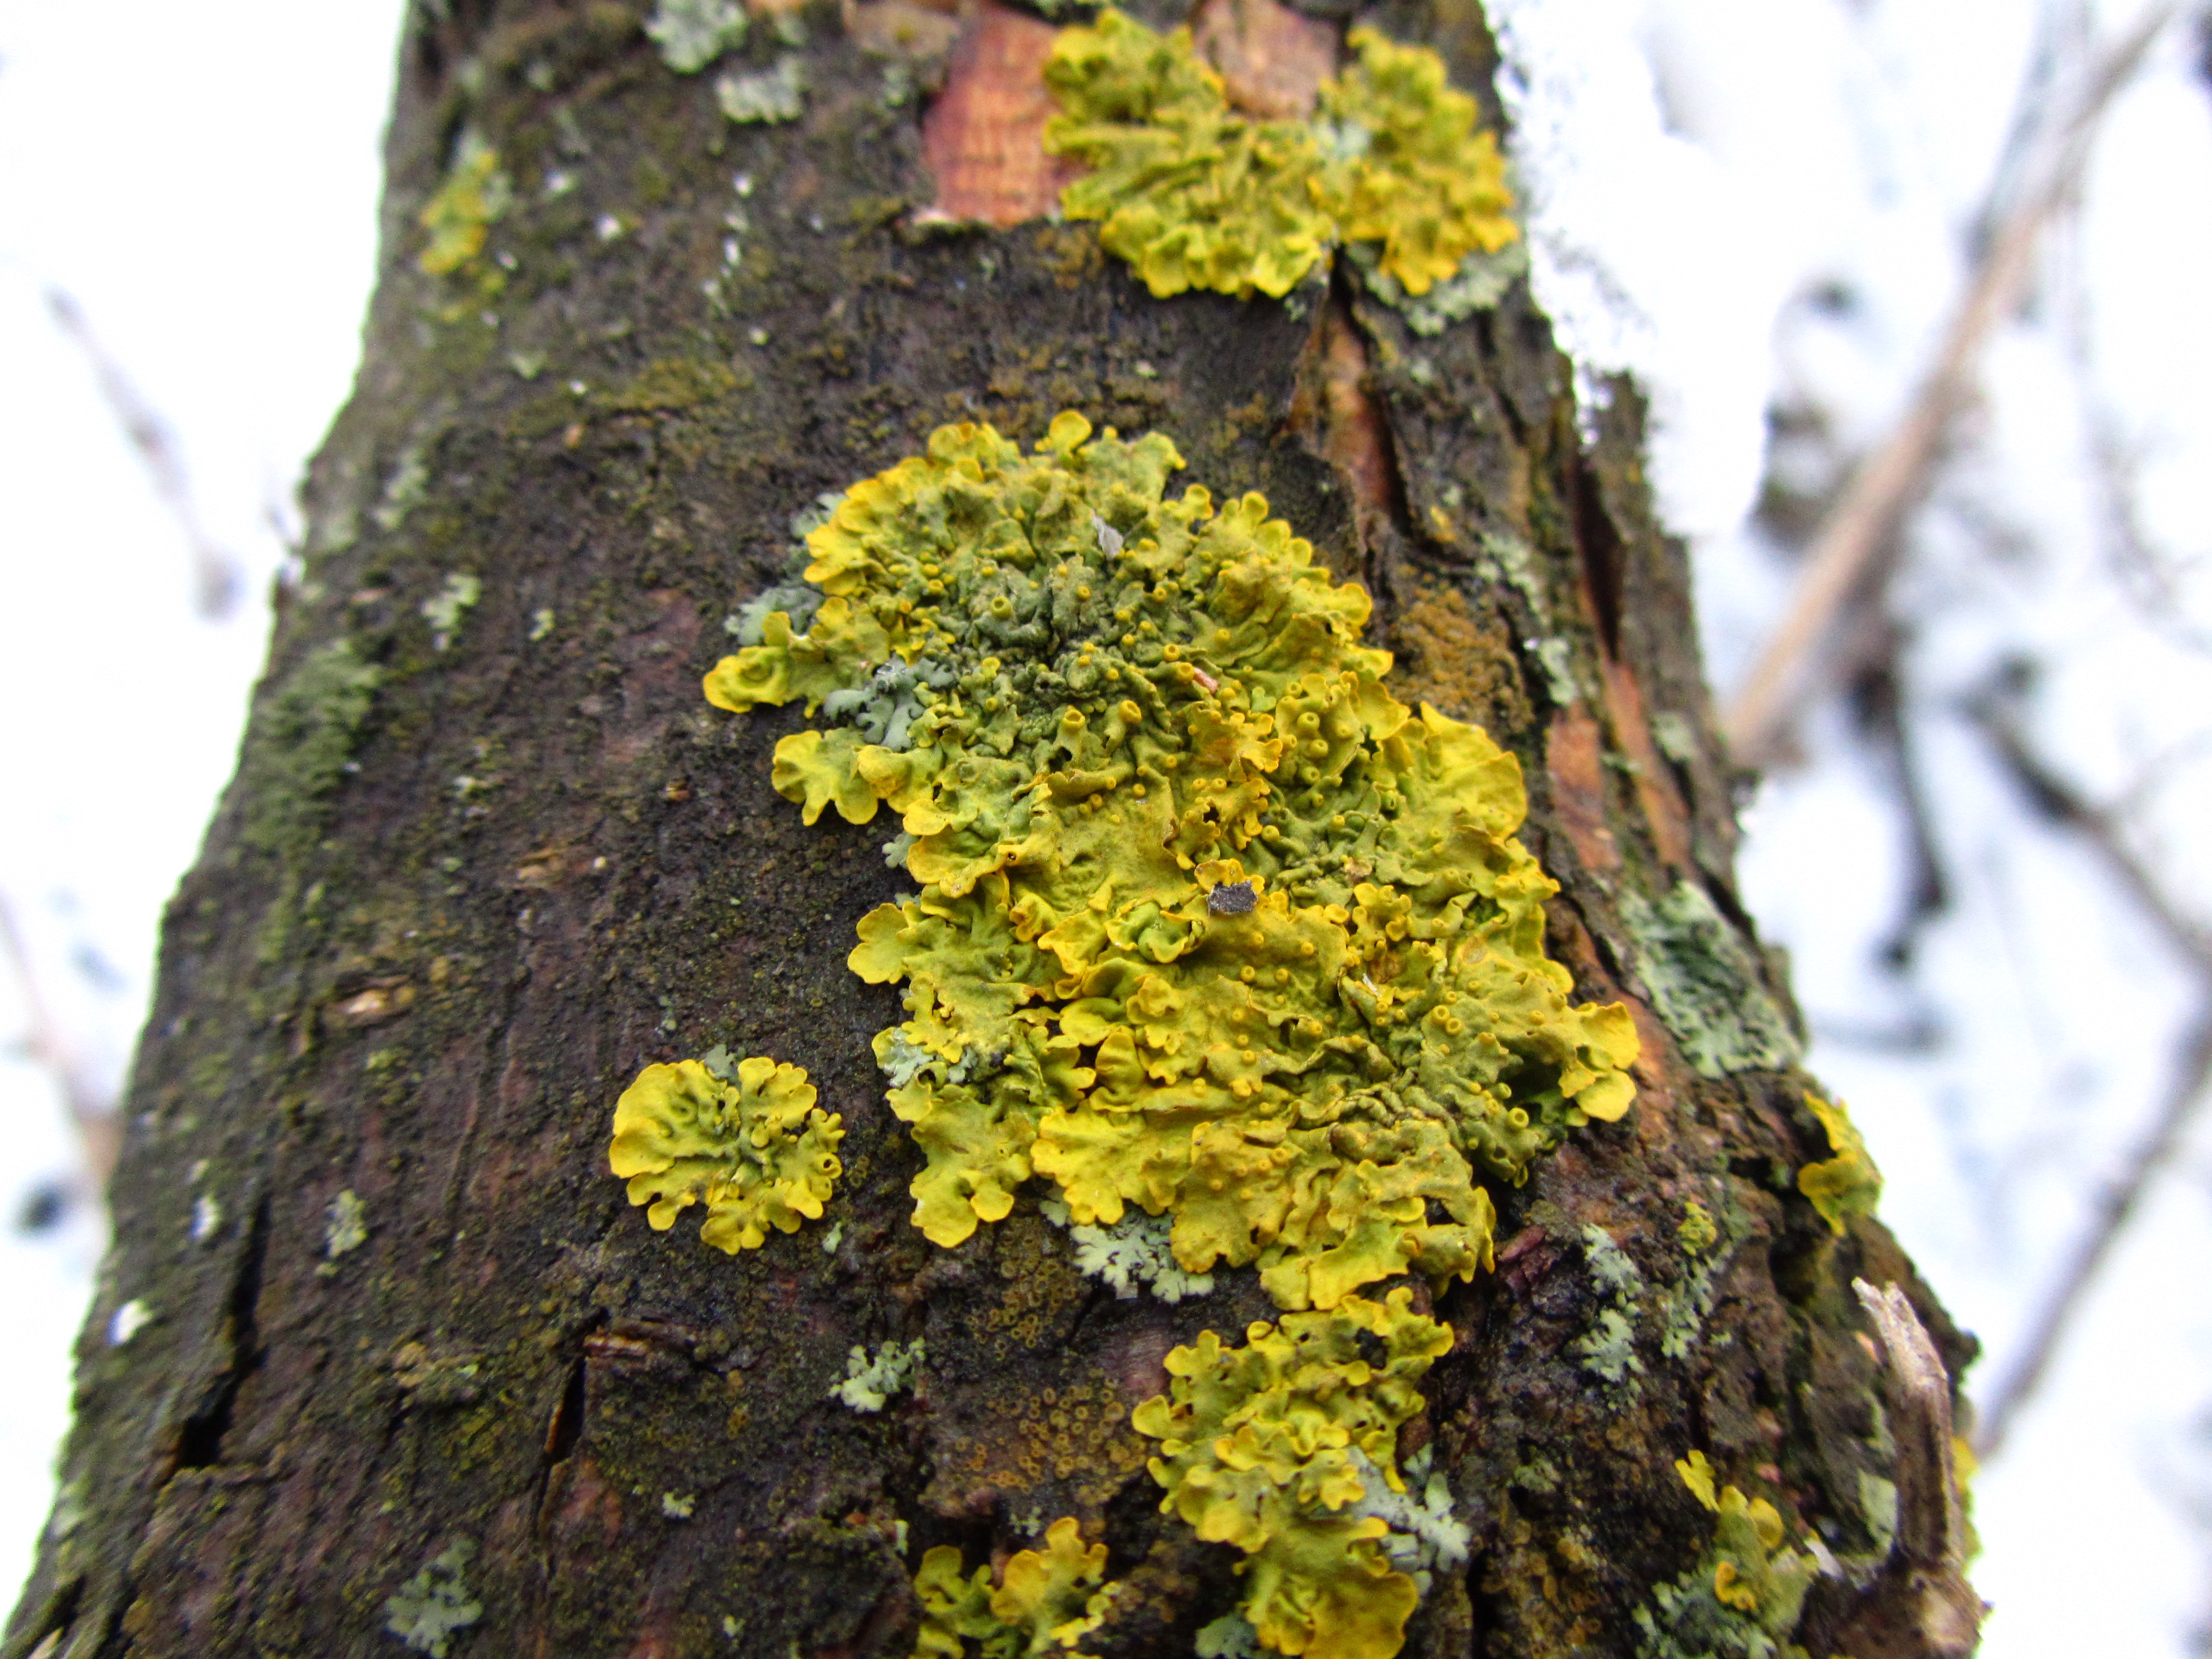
x: 1047, y: 1600
x: 1210, y: 923
x: 460, y: 213
x: 1847, y: 1184
x: 751, y: 1146
x: 1273, y: 1447
x: 1194, y: 193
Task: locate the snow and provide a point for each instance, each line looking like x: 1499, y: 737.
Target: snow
x: 1745, y: 203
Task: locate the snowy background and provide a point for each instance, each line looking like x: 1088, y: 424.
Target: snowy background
x: 1766, y: 209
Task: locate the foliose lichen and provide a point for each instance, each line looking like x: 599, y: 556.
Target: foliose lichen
x: 459, y: 216
x: 1271, y: 1448
x: 752, y: 1147
x: 693, y: 34
x: 1742, y: 1598
x: 869, y: 1382
x: 1134, y: 1253
x: 1133, y: 701
x: 444, y: 609
x: 764, y: 96
x: 1847, y: 1184
x: 1046, y: 1600
x: 1194, y: 193
x: 1704, y: 984
x: 434, y: 1607
x: 1609, y: 1347
x: 1213, y: 933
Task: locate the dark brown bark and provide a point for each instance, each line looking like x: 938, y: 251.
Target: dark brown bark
x: 443, y: 919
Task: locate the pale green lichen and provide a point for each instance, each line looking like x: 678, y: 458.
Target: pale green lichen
x: 1046, y: 1600
x: 1743, y: 1597
x: 1847, y: 1184
x: 752, y: 1147
x: 869, y: 1382
x: 1133, y: 1254
x: 345, y: 1227
x: 1609, y: 1347
x: 1425, y: 1537
x: 460, y: 213
x: 1194, y: 194
x: 1509, y: 560
x: 1221, y: 928
x: 445, y: 609
x: 769, y: 95
x: 1270, y: 1448
x: 693, y: 34
x: 434, y: 1607
x: 1704, y: 984
x: 679, y: 1505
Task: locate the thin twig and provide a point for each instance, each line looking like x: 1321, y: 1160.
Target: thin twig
x: 1866, y: 519
x: 214, y: 571
x: 2122, y: 1196
x: 92, y: 1112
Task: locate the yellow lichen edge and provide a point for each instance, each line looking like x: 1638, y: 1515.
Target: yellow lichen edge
x: 1194, y: 194
x: 1210, y: 923
x: 460, y: 213
x: 1047, y: 1600
x: 1748, y: 1566
x: 1847, y: 1184
x: 1271, y: 1448
x: 754, y: 1148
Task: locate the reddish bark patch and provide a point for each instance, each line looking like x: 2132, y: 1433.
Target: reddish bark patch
x: 983, y: 139
x: 1572, y: 756
x: 1664, y: 810
x: 1272, y: 60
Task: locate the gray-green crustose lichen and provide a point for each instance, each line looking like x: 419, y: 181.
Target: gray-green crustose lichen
x: 435, y: 1606
x: 1704, y: 984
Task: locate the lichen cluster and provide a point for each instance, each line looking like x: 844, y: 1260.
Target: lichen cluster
x: 1743, y: 1597
x: 1272, y: 1447
x: 1046, y: 1600
x: 1210, y: 924
x: 748, y: 1143
x: 1194, y: 193
x: 1211, y: 927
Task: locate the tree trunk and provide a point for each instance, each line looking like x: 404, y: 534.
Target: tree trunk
x: 381, y: 1358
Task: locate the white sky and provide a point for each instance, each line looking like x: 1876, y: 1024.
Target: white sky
x: 202, y: 180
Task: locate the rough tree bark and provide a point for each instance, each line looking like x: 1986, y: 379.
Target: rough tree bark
x: 373, y: 1294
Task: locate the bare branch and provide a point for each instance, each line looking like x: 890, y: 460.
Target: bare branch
x: 215, y: 570
x: 2122, y: 1196
x: 1866, y: 519
x: 91, y: 1110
